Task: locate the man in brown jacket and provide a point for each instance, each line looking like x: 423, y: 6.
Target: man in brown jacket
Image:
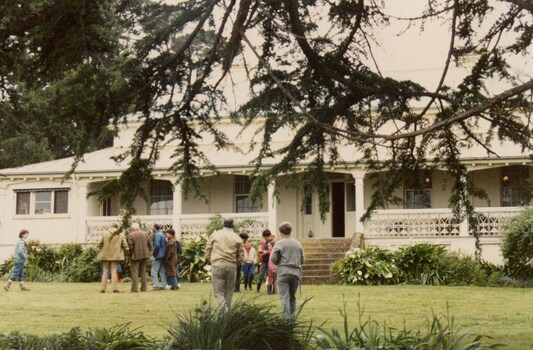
x: 112, y: 247
x: 225, y: 250
x: 140, y: 246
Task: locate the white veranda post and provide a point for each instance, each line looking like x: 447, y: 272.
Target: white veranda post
x: 359, y: 177
x: 177, y: 209
x: 272, y: 209
x: 81, y: 232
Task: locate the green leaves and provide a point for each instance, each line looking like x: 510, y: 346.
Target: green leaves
x: 371, y: 266
x: 517, y: 247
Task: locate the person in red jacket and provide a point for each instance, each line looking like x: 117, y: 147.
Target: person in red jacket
x: 265, y: 248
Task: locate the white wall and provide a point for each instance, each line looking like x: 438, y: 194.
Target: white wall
x: 48, y: 229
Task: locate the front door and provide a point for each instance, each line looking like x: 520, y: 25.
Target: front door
x: 337, y: 209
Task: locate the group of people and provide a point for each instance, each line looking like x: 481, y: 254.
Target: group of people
x: 227, y: 252
x: 165, y: 257
x: 279, y: 261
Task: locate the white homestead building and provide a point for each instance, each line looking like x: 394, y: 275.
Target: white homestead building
x: 57, y: 210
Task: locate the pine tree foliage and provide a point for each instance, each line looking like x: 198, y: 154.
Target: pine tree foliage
x: 80, y: 65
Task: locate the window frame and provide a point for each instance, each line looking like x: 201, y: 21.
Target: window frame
x: 243, y: 194
x: 418, y: 193
x: 512, y: 179
x: 308, y: 202
x: 52, y: 209
x: 350, y: 202
x: 167, y: 199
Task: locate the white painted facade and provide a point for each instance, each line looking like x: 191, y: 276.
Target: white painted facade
x: 350, y: 189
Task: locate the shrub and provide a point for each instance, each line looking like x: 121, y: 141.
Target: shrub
x: 420, y: 263
x: 436, y: 333
x: 456, y: 269
x: 418, y: 259
x: 371, y: 266
x: 517, y: 246
x: 117, y: 337
x: 86, y: 268
x: 193, y: 262
x: 243, y: 326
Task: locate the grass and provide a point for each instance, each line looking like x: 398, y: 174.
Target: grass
x: 506, y: 314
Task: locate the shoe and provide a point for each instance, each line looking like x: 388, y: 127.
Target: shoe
x: 116, y: 291
x: 102, y: 291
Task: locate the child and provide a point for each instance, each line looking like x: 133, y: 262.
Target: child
x: 248, y: 266
x: 20, y: 256
x: 271, y: 277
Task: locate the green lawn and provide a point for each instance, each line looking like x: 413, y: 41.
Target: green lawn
x: 505, y: 314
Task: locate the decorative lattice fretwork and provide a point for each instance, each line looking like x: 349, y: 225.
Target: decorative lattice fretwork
x: 97, y: 226
x: 190, y: 225
x: 492, y: 221
x: 412, y: 223
x: 251, y: 223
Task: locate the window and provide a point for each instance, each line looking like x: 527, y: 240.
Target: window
x: 308, y: 201
x: 106, y: 207
x: 419, y: 199
x: 514, y: 191
x: 350, y: 196
x: 40, y: 202
x: 161, y: 197
x: 23, y: 203
x: 243, y: 203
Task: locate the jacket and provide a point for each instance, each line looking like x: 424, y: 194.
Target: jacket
x: 160, y: 243
x: 140, y: 245
x: 112, y: 246
x: 249, y: 257
x: 171, y: 257
x: 224, y: 248
x: 20, y: 254
x: 288, y: 255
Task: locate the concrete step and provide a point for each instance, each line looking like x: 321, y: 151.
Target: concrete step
x: 321, y: 250
x: 324, y: 256
x: 319, y: 266
x: 326, y: 244
x: 319, y: 255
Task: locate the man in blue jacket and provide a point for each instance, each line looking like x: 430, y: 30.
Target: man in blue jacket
x: 158, y: 255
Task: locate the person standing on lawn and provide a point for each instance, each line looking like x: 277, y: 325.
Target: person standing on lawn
x: 244, y: 236
x: 140, y: 246
x: 248, y: 267
x: 158, y: 258
x: 288, y: 255
x: 20, y: 257
x: 112, y: 247
x: 224, y: 250
x: 171, y: 259
x: 265, y: 248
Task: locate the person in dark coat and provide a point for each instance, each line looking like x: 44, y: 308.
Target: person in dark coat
x: 140, y: 246
x: 171, y: 258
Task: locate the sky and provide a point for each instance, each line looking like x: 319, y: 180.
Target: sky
x: 414, y: 55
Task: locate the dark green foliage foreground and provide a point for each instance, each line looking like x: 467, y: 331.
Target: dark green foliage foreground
x: 250, y: 326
